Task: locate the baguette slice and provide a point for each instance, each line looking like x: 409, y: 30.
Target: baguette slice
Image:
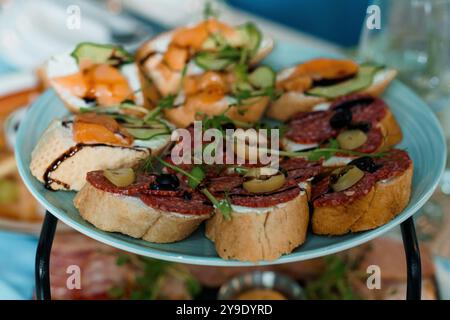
x: 291, y: 103
x: 58, y: 140
x: 130, y: 216
x: 392, y: 135
x: 64, y: 65
x: 260, y: 234
x: 151, y: 53
x: 385, y: 201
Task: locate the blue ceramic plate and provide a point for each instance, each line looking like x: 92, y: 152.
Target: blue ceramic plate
x: 423, y: 139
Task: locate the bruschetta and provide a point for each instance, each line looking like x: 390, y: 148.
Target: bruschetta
x: 155, y: 208
x: 365, y: 194
x: 70, y: 148
x: 358, y: 123
x: 205, y: 69
x: 93, y: 75
x: 270, y: 213
x: 321, y: 80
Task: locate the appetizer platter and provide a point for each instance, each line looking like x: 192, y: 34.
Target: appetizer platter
x: 358, y: 153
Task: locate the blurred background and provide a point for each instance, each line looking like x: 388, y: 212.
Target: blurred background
x: 414, y: 37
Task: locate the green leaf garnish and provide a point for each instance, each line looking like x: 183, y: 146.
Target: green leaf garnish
x: 199, y: 174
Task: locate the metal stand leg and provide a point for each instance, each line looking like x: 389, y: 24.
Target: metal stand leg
x: 42, y: 264
x: 42, y: 267
x: 413, y: 264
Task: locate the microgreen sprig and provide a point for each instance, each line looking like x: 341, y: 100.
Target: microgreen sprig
x: 223, y: 205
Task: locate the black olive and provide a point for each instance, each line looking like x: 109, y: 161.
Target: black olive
x: 365, y: 164
x: 331, y: 82
x: 363, y: 126
x: 166, y: 181
x: 341, y: 119
x: 284, y: 172
x: 350, y: 103
x: 89, y: 100
x: 228, y: 125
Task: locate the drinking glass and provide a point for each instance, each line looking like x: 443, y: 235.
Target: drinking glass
x: 413, y: 37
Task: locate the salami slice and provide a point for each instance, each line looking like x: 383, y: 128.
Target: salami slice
x: 225, y: 183
x: 98, y: 180
x: 311, y: 127
x: 393, y: 164
x: 301, y: 169
x: 242, y: 198
x: 357, y: 191
x: 193, y: 205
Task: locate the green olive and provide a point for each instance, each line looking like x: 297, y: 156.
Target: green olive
x: 263, y: 180
x: 262, y: 186
x: 344, y: 178
x: 260, y: 172
x: 351, y: 139
x: 120, y: 177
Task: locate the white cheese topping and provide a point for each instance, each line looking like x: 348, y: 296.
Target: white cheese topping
x: 242, y: 209
x: 61, y: 65
x: 161, y: 43
x: 285, y: 73
x: 131, y: 73
x: 324, y: 106
x: 380, y: 75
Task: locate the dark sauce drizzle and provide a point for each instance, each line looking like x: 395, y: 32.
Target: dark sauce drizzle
x: 68, y: 154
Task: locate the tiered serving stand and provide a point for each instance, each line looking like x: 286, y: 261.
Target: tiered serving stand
x: 423, y: 139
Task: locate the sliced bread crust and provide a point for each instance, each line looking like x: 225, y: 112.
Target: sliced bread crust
x: 129, y: 215
x: 255, y: 236
x: 378, y: 207
x: 57, y: 140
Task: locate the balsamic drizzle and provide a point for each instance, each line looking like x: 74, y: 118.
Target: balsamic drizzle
x: 68, y: 154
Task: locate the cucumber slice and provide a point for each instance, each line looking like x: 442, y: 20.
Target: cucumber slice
x: 210, y: 61
x: 243, y: 86
x: 101, y: 53
x: 363, y: 79
x: 214, y: 42
x: 252, y: 36
x: 146, y: 133
x: 262, y: 77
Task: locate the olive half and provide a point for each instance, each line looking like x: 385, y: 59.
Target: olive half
x: 351, y: 139
x: 346, y: 177
x: 120, y: 177
x: 365, y: 164
x: 262, y: 180
x: 166, y: 181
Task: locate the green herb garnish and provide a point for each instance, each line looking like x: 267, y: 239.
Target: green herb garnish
x: 199, y: 174
x: 333, y: 284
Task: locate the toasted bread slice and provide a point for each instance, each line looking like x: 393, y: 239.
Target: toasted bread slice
x: 291, y: 103
x: 70, y: 173
x: 392, y: 135
x: 376, y: 208
x: 64, y: 65
x: 257, y: 234
x: 129, y: 215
